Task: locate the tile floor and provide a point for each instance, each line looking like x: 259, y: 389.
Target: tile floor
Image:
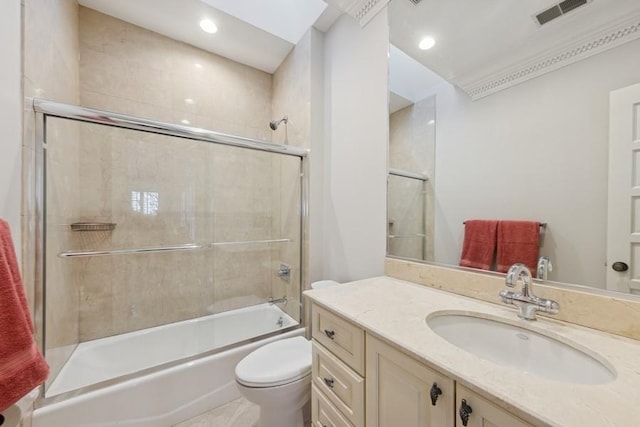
x: 237, y: 413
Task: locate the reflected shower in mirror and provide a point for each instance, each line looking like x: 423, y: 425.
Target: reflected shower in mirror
x: 412, y: 140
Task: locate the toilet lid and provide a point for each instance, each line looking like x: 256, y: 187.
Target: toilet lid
x: 323, y: 284
x: 276, y: 363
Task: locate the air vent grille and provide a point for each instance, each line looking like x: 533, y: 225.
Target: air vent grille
x: 557, y: 10
x: 569, y: 5
x: 415, y: 1
x: 549, y: 15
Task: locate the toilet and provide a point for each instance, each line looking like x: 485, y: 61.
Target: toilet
x: 277, y: 377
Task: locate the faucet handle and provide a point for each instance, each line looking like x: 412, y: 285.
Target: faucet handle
x: 544, y: 267
x: 551, y: 306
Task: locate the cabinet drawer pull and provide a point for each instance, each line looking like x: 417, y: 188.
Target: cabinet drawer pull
x: 435, y: 392
x: 329, y: 382
x: 329, y: 333
x: 465, y: 411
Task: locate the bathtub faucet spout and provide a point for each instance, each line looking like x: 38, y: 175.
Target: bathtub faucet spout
x: 282, y: 300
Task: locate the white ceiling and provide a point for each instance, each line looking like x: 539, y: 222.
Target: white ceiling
x: 287, y: 19
x: 257, y: 33
x: 409, y: 80
x: 476, y: 39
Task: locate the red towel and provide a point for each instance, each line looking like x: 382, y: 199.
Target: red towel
x: 518, y: 241
x: 22, y: 367
x: 479, y: 243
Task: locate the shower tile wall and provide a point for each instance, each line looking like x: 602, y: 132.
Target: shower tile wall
x: 412, y: 148
x: 204, y: 193
x: 291, y: 97
x: 50, y: 70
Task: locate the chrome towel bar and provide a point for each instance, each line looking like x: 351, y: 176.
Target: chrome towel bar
x: 176, y: 248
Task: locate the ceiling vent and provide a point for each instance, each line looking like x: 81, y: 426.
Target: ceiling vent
x: 557, y: 10
x: 415, y: 1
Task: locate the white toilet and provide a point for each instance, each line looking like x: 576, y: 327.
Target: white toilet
x: 277, y: 377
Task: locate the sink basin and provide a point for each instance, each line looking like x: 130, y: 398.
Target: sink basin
x: 523, y: 349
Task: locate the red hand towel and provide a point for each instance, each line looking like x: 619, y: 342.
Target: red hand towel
x: 22, y: 367
x: 518, y: 241
x: 479, y: 243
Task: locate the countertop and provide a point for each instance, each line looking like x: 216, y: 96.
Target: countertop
x: 395, y: 311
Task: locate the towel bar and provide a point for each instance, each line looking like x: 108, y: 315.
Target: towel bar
x: 542, y: 224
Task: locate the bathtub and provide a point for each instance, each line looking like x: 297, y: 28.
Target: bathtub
x: 159, y: 397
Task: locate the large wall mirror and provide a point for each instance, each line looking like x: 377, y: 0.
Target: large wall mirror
x: 509, y: 118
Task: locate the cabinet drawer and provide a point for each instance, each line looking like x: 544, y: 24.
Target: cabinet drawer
x: 323, y: 414
x: 342, y: 387
x: 342, y: 338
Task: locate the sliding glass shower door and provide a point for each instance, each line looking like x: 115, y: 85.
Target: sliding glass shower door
x: 144, y: 229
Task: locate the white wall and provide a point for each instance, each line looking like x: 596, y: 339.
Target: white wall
x: 536, y: 151
x: 355, y: 152
x: 10, y: 117
x: 316, y: 160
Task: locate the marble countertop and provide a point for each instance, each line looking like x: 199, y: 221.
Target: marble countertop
x: 395, y: 311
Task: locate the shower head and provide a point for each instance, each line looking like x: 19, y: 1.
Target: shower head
x: 273, y: 124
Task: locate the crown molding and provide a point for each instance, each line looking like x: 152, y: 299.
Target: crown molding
x: 598, y: 41
x: 362, y: 11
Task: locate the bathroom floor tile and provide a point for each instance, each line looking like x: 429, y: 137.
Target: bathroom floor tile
x: 237, y: 413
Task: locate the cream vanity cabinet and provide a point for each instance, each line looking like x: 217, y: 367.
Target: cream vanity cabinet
x: 403, y: 392
x: 399, y: 390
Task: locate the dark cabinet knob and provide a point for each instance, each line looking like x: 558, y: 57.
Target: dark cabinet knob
x: 465, y: 411
x: 329, y: 333
x: 620, y: 266
x: 435, y: 392
x: 329, y: 382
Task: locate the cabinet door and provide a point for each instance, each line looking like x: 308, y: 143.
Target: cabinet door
x: 483, y: 413
x: 343, y: 387
x: 399, y: 390
x: 323, y: 413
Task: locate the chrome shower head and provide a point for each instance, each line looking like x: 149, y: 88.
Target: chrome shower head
x: 273, y: 124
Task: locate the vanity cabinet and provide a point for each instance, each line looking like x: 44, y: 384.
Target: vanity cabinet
x: 483, y: 413
x: 349, y: 365
x: 403, y: 392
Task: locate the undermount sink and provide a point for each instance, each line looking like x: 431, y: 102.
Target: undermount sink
x: 529, y: 351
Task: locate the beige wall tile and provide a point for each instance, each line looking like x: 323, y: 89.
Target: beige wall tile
x: 205, y: 193
x: 50, y: 53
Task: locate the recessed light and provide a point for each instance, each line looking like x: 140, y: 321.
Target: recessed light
x: 427, y: 43
x: 197, y: 65
x: 208, y: 26
x: 185, y: 122
x: 189, y: 101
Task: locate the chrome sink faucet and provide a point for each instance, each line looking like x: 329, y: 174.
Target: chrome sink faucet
x: 528, y: 304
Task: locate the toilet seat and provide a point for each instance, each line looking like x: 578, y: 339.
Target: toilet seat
x: 277, y: 363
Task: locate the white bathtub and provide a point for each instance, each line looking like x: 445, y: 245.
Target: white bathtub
x: 167, y: 396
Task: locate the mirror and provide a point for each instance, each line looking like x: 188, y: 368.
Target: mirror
x: 412, y: 140
x: 521, y: 127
